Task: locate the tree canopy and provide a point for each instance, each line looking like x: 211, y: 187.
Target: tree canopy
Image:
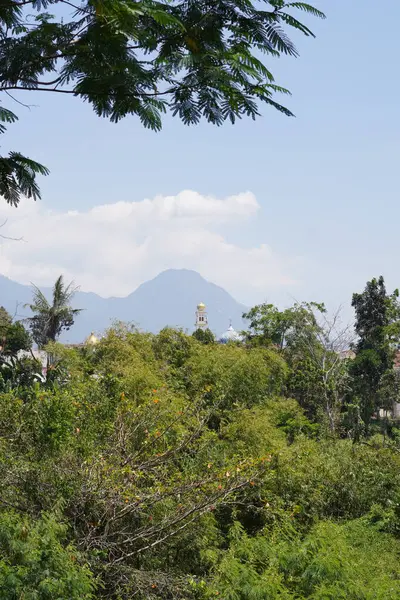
x: 196, y: 59
x: 165, y: 467
x: 378, y: 328
x: 49, y: 319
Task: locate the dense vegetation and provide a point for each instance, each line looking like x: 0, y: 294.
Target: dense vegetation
x: 169, y: 466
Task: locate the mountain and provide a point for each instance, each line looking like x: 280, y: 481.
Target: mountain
x: 168, y: 299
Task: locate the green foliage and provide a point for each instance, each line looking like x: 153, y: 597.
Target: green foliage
x: 49, y: 320
x: 180, y: 471
x: 13, y: 338
x: 36, y: 562
x: 377, y: 325
x: 232, y: 376
x: 16, y: 338
x: 15, y: 369
x: 17, y: 172
x: 349, y: 561
x: 197, y: 59
x: 270, y: 326
x: 204, y: 336
x: 311, y: 344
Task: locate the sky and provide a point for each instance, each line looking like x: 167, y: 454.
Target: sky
x: 278, y: 209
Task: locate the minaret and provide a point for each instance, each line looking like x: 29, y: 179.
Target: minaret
x: 201, y: 317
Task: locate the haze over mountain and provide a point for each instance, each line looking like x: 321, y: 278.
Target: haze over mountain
x: 168, y: 299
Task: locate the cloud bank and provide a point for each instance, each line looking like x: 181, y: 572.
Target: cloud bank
x: 112, y: 248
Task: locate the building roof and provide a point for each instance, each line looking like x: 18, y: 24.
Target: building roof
x: 230, y: 335
x: 92, y: 340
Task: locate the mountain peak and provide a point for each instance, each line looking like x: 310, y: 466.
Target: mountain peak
x: 179, y: 274
x: 170, y: 299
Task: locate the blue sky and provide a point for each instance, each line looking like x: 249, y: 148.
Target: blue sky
x: 326, y: 182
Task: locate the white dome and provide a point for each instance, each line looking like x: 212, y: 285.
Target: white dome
x: 91, y: 340
x: 230, y: 335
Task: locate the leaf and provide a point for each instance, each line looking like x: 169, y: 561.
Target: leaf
x: 308, y: 9
x: 164, y: 18
x: 297, y: 25
x: 7, y: 116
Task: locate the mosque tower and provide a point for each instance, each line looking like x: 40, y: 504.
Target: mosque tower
x: 201, y: 317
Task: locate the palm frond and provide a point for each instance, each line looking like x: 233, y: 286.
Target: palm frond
x: 18, y: 177
x: 49, y: 319
x: 307, y: 8
x: 7, y: 116
x: 28, y: 163
x: 296, y: 24
x: 39, y: 302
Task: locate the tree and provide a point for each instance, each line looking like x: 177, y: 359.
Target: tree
x: 49, y: 320
x: 319, y: 375
x: 114, y: 484
x: 36, y: 563
x: 270, y: 326
x: 204, y: 336
x: 14, y: 338
x: 5, y: 317
x: 378, y: 329
x: 311, y: 342
x: 197, y: 59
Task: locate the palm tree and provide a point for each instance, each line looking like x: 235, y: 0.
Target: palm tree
x: 50, y: 319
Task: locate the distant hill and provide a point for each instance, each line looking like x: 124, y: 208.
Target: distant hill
x: 168, y: 299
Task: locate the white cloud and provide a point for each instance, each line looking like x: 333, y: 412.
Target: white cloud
x: 112, y: 248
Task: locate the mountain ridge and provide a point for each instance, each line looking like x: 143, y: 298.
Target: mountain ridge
x: 169, y: 299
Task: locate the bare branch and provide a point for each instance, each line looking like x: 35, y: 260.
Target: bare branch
x: 6, y: 237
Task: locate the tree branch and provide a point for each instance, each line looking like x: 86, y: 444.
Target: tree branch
x: 75, y: 93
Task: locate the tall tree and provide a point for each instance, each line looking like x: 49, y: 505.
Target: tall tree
x: 16, y: 366
x: 143, y: 57
x: 378, y: 328
x: 204, y: 336
x: 13, y: 336
x: 282, y: 328
x: 311, y: 342
x: 319, y: 376
x: 49, y: 319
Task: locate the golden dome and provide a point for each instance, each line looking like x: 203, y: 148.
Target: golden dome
x: 201, y: 307
x: 92, y: 340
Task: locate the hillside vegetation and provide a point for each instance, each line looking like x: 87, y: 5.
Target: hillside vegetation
x: 163, y: 467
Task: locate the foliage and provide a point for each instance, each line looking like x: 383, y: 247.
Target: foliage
x: 17, y: 172
x: 333, y: 561
x: 157, y: 466
x: 311, y: 343
x: 197, y: 59
x: 37, y: 563
x: 378, y: 329
x: 49, y: 320
x: 270, y: 326
x: 204, y: 336
x: 13, y: 336
x: 16, y: 368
